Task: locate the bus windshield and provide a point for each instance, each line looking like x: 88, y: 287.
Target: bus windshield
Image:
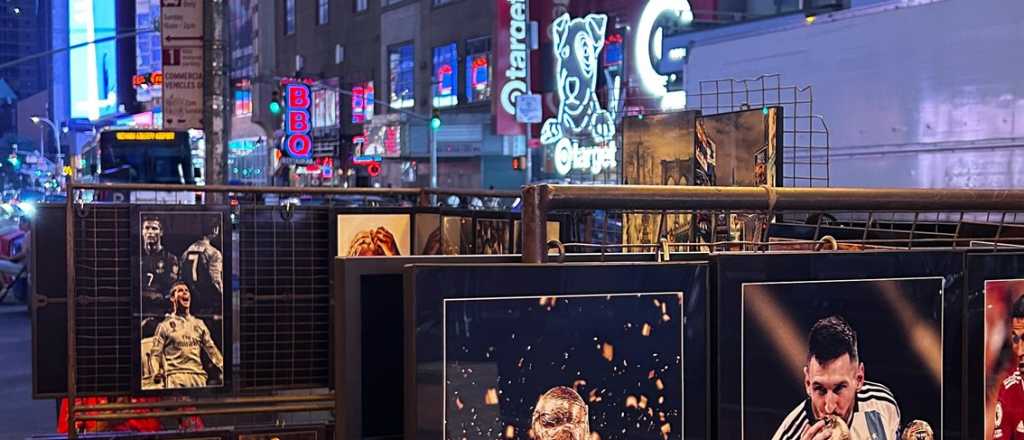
x: 136, y: 157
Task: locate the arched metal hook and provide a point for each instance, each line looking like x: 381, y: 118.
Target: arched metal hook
x: 663, y: 253
x: 828, y: 239
x: 287, y: 211
x: 80, y: 207
x: 555, y: 244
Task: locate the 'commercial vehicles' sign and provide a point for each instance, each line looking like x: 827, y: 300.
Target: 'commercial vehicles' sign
x: 181, y: 35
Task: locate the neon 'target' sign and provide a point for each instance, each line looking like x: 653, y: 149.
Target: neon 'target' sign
x: 648, y: 49
x: 516, y: 73
x: 297, y: 141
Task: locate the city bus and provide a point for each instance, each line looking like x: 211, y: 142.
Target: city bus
x: 144, y: 156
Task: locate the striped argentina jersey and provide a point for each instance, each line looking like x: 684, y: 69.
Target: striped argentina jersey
x: 876, y: 416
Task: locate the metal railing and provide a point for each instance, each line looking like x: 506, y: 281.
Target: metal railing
x: 858, y: 211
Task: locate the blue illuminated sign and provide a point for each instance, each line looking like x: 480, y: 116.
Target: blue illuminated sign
x: 92, y: 68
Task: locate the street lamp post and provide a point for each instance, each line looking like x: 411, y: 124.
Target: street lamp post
x: 56, y: 137
x: 433, y: 138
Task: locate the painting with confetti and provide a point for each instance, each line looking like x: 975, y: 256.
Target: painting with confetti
x: 581, y: 367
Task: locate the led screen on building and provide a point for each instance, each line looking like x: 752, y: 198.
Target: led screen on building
x: 93, y: 68
x: 362, y: 102
x: 446, y: 61
x: 147, y: 48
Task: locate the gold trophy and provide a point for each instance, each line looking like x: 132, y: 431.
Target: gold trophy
x: 917, y: 430
x: 838, y: 427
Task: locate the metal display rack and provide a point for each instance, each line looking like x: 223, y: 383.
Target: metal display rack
x: 806, y: 218
x: 98, y: 262
x: 863, y: 219
x: 805, y: 136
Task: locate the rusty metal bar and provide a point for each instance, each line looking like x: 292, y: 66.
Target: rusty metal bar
x: 72, y: 335
x: 750, y: 198
x: 473, y: 192
x: 535, y: 213
x: 291, y: 190
x: 243, y: 189
x: 326, y: 397
x: 304, y: 407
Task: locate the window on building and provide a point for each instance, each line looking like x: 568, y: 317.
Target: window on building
x: 390, y: 2
x: 361, y: 5
x: 402, y: 63
x: 322, y: 11
x: 442, y: 2
x: 478, y: 69
x: 446, y: 83
x: 289, y: 17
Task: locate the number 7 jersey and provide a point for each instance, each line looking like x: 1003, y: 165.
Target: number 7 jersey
x: 202, y: 268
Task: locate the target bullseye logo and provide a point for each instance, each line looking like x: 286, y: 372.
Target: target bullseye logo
x: 563, y: 155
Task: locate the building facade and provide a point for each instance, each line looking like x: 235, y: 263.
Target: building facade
x: 393, y: 63
x: 937, y: 111
x: 22, y: 33
x: 397, y: 61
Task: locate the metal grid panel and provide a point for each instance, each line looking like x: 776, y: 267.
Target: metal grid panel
x: 749, y: 230
x: 805, y: 139
x: 284, y: 286
x: 103, y: 288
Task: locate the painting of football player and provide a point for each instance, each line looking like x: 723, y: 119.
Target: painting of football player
x: 840, y: 403
x: 178, y: 343
x: 1009, y: 413
x: 159, y: 266
x: 203, y: 269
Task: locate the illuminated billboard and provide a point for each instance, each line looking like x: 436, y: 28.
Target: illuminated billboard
x: 92, y: 67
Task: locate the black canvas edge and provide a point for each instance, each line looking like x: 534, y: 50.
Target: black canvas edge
x: 50, y: 298
x: 320, y: 430
x: 346, y: 296
x: 779, y: 144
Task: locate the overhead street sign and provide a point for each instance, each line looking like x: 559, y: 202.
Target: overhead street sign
x: 181, y: 29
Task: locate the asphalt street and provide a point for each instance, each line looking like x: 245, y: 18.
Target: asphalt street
x: 20, y: 416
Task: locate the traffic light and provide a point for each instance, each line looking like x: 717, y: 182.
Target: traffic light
x: 274, y: 106
x: 519, y: 163
x: 435, y: 119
